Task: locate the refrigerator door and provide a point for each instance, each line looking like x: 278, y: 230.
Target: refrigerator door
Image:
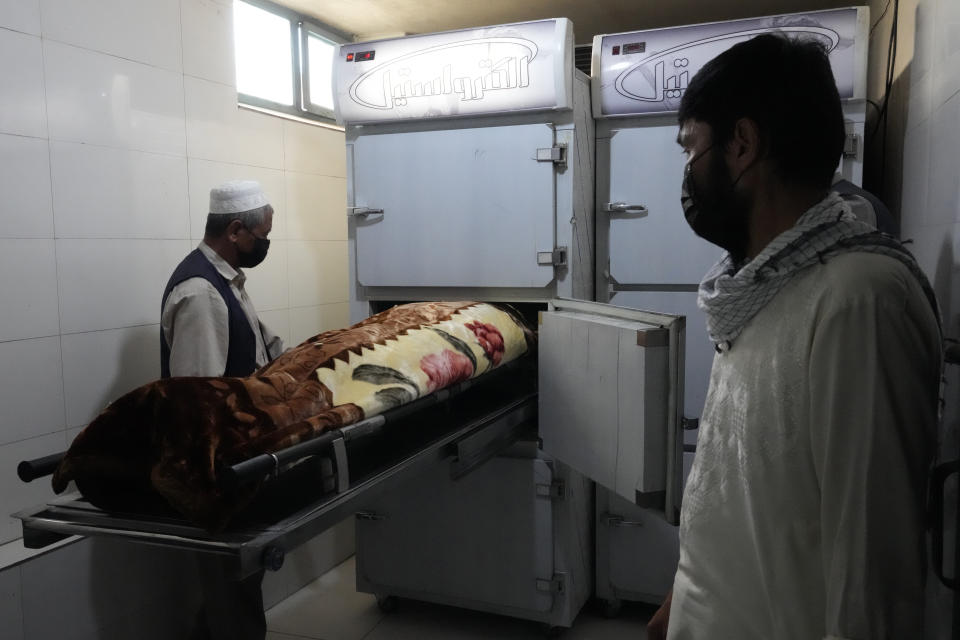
x: 611, y: 395
x: 483, y: 541
x: 653, y: 245
x: 455, y: 208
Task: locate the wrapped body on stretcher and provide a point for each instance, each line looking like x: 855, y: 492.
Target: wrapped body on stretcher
x: 174, y: 437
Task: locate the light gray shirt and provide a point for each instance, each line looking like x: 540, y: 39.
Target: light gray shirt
x: 195, y: 323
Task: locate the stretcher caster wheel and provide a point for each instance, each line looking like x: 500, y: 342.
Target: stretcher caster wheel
x: 387, y: 604
x: 611, y: 607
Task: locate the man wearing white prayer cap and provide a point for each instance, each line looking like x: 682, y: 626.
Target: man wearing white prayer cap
x: 209, y: 324
x: 209, y: 327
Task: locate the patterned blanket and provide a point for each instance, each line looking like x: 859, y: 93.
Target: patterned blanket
x: 173, y: 437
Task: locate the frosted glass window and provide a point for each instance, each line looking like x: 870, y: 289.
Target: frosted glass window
x: 321, y: 52
x: 263, y: 53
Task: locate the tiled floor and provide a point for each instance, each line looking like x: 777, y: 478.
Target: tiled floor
x: 330, y: 608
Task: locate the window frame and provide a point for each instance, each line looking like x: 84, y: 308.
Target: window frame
x: 300, y: 29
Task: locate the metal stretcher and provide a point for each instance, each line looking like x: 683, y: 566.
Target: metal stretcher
x: 312, y: 486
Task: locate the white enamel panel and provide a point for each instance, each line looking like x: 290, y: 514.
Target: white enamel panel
x: 28, y: 290
x: 101, y: 99
x: 20, y: 15
x: 318, y: 272
x: 267, y: 282
x: 31, y: 389
x: 306, y: 322
x: 316, y: 207
x: 208, y: 40
x: 646, y: 168
x: 11, y: 615
x: 23, y: 110
x: 27, y: 211
x: 147, y: 32
x: 312, y: 149
x: 205, y: 175
x: 103, y: 192
x: 16, y: 495
x: 516, y: 67
x: 101, y: 366
x: 462, y: 207
x: 108, y: 284
x: 218, y: 130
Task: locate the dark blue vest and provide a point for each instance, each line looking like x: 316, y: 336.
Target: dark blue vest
x: 242, y: 351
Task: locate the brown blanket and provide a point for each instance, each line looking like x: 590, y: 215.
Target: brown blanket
x: 173, y: 437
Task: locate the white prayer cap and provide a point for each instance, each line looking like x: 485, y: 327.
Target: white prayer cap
x: 237, y: 196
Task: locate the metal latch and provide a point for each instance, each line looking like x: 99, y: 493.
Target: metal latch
x: 613, y: 520
x: 557, y: 154
x: 623, y: 207
x: 369, y: 515
x: 555, y: 490
x: 363, y: 211
x: 690, y: 424
x: 556, y: 584
x: 555, y: 258
x: 851, y: 145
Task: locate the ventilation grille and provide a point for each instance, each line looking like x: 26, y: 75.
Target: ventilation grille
x: 582, y: 54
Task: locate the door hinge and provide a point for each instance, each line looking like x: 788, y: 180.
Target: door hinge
x: 556, y: 584
x: 851, y: 145
x: 556, y: 490
x: 555, y: 258
x: 557, y: 154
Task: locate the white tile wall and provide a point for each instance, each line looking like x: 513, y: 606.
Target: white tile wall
x: 25, y: 184
x: 205, y: 175
x: 97, y: 98
x: 316, y: 206
x: 218, y: 130
x: 318, y: 272
x: 15, y: 495
x: 267, y: 282
x: 29, y: 308
x: 11, y: 617
x: 31, y: 389
x: 147, y: 32
x: 22, y: 108
x: 104, y: 192
x: 278, y: 321
x: 310, y: 149
x: 108, y: 284
x: 208, y: 40
x: 113, y: 128
x: 944, y: 186
x: 20, y: 15
x: 101, y: 366
x: 306, y: 322
x: 916, y: 163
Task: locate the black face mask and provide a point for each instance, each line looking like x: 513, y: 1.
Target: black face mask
x: 715, y: 211
x: 250, y: 259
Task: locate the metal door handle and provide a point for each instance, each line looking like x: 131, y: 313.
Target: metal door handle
x: 362, y: 211
x: 612, y: 520
x: 623, y: 207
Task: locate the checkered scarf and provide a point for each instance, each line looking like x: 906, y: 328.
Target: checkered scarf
x: 730, y: 298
